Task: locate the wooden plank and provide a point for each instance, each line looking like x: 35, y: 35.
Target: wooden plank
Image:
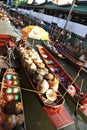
x: 59, y: 117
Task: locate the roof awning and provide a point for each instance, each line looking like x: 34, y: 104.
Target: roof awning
x: 7, y: 28
x: 81, y: 8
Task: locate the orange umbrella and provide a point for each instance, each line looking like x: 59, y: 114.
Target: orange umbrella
x: 35, y: 32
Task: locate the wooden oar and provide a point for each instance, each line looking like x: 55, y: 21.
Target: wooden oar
x: 76, y: 76
x: 73, y: 80
x: 77, y: 105
x: 72, y: 83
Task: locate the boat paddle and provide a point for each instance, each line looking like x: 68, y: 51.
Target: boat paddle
x: 76, y: 76
x: 73, y: 80
x: 77, y: 105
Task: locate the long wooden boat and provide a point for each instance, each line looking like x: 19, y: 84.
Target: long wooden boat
x: 66, y: 82
x: 8, y: 51
x: 51, y: 98
x: 52, y: 49
x: 70, y: 58
x: 11, y: 103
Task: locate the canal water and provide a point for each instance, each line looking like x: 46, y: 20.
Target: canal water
x: 36, y: 118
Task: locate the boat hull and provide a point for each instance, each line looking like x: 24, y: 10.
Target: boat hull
x: 54, y: 112
x: 71, y: 58
x: 8, y: 51
x: 66, y: 82
x: 11, y: 110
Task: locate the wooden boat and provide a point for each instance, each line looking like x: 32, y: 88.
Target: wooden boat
x: 11, y: 103
x: 66, y: 82
x: 52, y: 49
x: 17, y: 21
x: 70, y: 58
x: 53, y: 106
x: 8, y: 51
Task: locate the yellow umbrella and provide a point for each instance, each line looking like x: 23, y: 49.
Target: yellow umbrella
x: 35, y: 32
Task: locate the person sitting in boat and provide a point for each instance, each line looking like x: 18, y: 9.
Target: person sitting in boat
x: 81, y: 96
x: 56, y: 43
x: 21, y: 43
x: 83, y: 58
x: 51, y: 37
x: 85, y: 64
x: 84, y: 102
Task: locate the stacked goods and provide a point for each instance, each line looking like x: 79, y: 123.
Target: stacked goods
x: 45, y: 83
x: 11, y: 102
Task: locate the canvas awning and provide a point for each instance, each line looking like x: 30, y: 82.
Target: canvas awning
x: 81, y: 8
x: 7, y: 28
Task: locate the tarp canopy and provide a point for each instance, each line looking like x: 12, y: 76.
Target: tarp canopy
x: 7, y: 28
x: 81, y: 8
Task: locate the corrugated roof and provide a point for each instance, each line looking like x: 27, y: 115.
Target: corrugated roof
x: 7, y: 28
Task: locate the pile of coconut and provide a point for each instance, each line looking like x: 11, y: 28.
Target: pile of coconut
x: 46, y: 82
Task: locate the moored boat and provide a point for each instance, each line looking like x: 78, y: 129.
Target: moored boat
x: 8, y: 51
x: 52, y: 49
x: 66, y: 82
x: 71, y: 58
x: 46, y: 86
x: 11, y: 103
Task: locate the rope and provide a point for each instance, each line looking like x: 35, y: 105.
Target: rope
x: 76, y: 76
x: 72, y: 82
x: 30, y: 90
x: 78, y: 98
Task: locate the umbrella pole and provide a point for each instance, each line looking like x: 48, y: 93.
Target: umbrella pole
x: 33, y: 43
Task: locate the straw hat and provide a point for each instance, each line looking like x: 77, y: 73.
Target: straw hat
x: 49, y: 76
x: 51, y: 95
x: 43, y: 86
